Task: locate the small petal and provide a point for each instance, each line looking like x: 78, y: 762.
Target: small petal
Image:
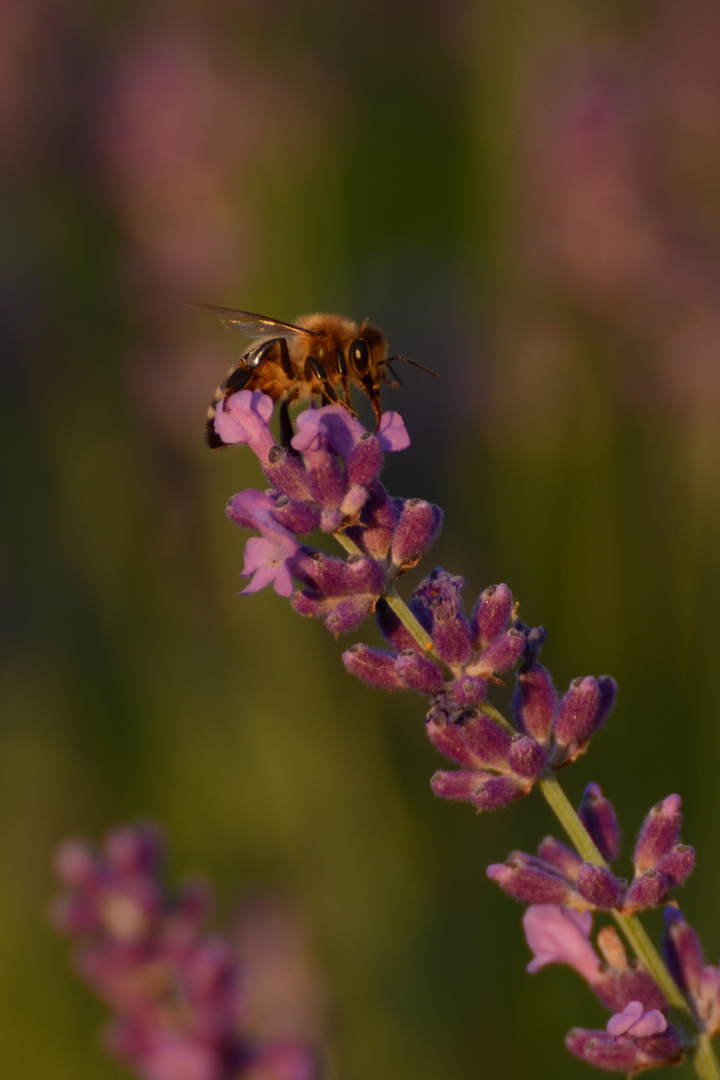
x: 245, y: 417
x: 559, y: 935
x: 392, y: 433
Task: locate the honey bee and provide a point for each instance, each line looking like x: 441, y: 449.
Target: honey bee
x: 318, y: 358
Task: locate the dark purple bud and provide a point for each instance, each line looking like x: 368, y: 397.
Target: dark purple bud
x: 484, y: 790
x: 528, y: 880
x: 476, y: 742
x: 647, y: 890
x: 598, y: 816
x: 607, y: 688
x: 658, y: 834
x: 465, y: 692
x: 501, y: 654
x: 560, y: 857
x: 534, y: 701
x: 683, y: 952
x: 285, y: 472
x: 416, y: 530
x: 625, y: 1053
x: 490, y: 615
x: 298, y: 517
x: 419, y: 673
x: 599, y: 887
x: 363, y: 464
x: 526, y: 757
x: 374, y: 666
x: 677, y: 864
x: 451, y: 640
x: 574, y: 722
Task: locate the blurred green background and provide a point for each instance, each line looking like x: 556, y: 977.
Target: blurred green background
x: 526, y: 198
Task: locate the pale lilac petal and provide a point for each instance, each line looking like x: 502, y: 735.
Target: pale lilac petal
x: 249, y: 508
x: 392, y: 433
x: 634, y: 1021
x: 266, y: 559
x: 559, y: 935
x: 329, y: 428
x: 244, y: 417
x: 621, y: 1022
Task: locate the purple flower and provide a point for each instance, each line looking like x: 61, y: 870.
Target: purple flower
x: 269, y: 558
x: 245, y: 418
x: 684, y: 957
x: 558, y: 935
x: 175, y: 993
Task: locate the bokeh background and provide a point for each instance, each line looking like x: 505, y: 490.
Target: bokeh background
x: 526, y: 197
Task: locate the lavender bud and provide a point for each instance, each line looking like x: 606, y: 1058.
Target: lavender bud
x: 575, y: 718
x: 326, y: 481
x: 683, y: 952
x: 393, y: 630
x: 477, y: 742
x: 607, y: 688
x: 598, y: 816
x: 379, y: 517
x: 363, y: 464
x: 374, y: 666
x: 483, y: 790
x: 526, y: 879
x: 466, y: 692
x: 658, y: 834
x: 416, y: 530
x: 490, y: 615
x: 526, y: 757
x: 298, y: 517
x: 286, y: 473
x: 677, y: 865
x: 599, y: 887
x: 534, y: 701
x: 419, y: 673
x: 500, y: 655
x: 647, y: 890
x: 558, y: 855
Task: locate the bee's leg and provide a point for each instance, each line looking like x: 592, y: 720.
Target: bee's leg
x: 372, y: 392
x: 342, y: 368
x: 285, y: 423
x: 396, y: 380
x: 312, y: 367
x: 285, y: 358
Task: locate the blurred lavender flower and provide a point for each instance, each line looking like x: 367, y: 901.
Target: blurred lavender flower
x: 176, y: 993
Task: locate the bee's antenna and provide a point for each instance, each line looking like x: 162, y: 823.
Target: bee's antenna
x: 427, y: 370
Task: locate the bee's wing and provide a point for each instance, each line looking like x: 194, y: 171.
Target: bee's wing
x: 250, y: 325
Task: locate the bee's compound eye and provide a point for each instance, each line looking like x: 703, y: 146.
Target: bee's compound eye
x: 359, y: 355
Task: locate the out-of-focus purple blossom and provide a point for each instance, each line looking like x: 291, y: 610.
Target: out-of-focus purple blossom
x: 684, y: 957
x: 174, y: 991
